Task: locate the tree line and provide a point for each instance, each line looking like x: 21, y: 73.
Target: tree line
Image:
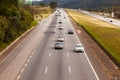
x: 15, y: 19
x: 115, y: 9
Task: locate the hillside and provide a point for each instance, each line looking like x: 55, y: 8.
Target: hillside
x: 14, y: 20
x: 91, y: 4
x: 86, y: 4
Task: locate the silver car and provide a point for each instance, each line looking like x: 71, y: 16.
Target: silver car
x: 59, y: 45
x: 79, y: 48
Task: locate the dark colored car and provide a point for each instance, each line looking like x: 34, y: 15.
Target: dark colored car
x: 60, y: 22
x: 70, y: 32
x: 111, y: 21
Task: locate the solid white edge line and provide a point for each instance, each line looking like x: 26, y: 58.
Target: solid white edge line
x: 86, y: 55
x: 91, y: 66
x: 46, y: 70
x: 88, y: 59
x: 69, y: 68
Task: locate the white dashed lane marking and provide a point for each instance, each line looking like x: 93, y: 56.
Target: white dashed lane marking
x: 69, y: 68
x: 22, y: 70
x: 25, y: 65
x: 28, y: 60
x: 31, y: 56
x: 46, y: 69
x: 32, y: 53
x: 49, y: 54
x: 18, y: 77
x: 67, y: 55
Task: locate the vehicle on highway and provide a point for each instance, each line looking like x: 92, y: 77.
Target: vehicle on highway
x: 60, y: 38
x: 70, y: 31
x: 59, y: 45
x: 57, y: 14
x: 60, y: 22
x: 60, y: 27
x: 79, y: 48
x: 111, y: 21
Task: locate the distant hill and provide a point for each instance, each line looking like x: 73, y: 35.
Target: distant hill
x: 86, y: 4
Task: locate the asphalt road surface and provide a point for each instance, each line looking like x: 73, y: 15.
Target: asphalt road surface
x: 36, y: 59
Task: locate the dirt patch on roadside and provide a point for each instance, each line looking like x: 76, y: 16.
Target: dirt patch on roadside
x: 102, y: 64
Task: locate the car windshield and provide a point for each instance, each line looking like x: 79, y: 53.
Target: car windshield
x: 78, y: 45
x: 60, y: 36
x: 70, y: 30
x: 58, y: 43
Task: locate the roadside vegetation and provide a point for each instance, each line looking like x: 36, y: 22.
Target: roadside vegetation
x: 15, y: 19
x: 107, y: 35
x: 41, y: 12
x: 109, y: 10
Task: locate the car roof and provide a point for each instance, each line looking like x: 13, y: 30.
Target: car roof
x: 78, y: 44
x: 58, y: 42
x: 61, y: 36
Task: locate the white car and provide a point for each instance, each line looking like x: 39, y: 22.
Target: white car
x: 79, y: 48
x: 60, y: 38
x: 60, y: 27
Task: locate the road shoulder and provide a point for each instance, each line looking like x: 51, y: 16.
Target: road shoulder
x: 99, y: 59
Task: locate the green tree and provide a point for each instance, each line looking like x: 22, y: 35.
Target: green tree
x: 12, y: 11
x: 42, y: 4
x: 53, y: 4
x: 3, y: 27
x: 26, y: 19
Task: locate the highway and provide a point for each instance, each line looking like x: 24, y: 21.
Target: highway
x: 103, y: 18
x: 36, y: 59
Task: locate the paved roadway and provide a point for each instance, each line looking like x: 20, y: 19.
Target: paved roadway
x: 106, y: 19
x: 36, y: 59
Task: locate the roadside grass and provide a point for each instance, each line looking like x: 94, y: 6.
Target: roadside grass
x: 107, y: 35
x: 43, y: 12
x: 33, y: 23
x: 3, y: 45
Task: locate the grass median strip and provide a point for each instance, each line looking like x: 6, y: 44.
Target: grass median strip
x: 107, y: 35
